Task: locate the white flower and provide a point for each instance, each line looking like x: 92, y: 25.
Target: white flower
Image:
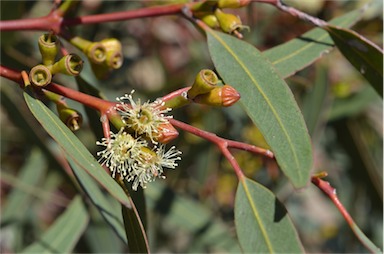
x: 132, y: 159
x: 121, y: 152
x: 144, y: 118
x: 151, y: 165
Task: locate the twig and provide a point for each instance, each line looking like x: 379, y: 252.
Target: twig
x: 326, y: 187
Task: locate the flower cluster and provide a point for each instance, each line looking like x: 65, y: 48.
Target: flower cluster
x: 144, y: 118
x: 139, y: 158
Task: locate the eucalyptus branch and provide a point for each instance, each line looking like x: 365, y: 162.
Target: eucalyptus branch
x: 326, y: 187
x: 223, y: 144
x: 55, y: 21
x: 297, y: 13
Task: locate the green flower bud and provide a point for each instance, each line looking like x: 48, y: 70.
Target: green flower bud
x: 40, y: 75
x: 223, y: 96
x: 95, y: 51
x: 114, y: 55
x: 71, y: 117
x: 211, y: 20
x: 232, y: 3
x: 229, y: 23
x: 49, y: 47
x: 205, y: 81
x: 70, y: 64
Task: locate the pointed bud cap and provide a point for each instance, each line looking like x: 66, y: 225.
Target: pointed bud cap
x: 166, y: 133
x: 224, y: 96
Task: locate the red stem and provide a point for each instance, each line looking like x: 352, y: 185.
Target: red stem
x: 54, y: 21
x: 325, y: 187
x: 223, y: 144
x: 175, y: 94
x: 125, y: 15
x: 88, y: 100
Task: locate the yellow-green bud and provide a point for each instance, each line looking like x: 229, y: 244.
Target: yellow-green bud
x: 114, y: 55
x: 70, y: 64
x: 211, y: 20
x: 205, y: 81
x: 40, y: 75
x: 96, y: 52
x: 49, y: 47
x: 71, y: 117
x: 223, y: 96
x: 229, y: 23
x: 232, y: 3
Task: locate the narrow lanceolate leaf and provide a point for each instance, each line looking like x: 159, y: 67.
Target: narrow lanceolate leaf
x: 296, y: 54
x: 17, y: 202
x: 262, y: 223
x: 112, y: 216
x: 365, y: 56
x: 73, y: 147
x: 268, y: 102
x: 137, y: 240
x: 63, y: 235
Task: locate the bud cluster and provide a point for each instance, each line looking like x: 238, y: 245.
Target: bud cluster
x: 49, y: 46
x: 211, y: 13
x: 137, y: 152
x: 105, y: 55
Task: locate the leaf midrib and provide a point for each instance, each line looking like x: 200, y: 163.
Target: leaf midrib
x: 257, y: 216
x: 266, y: 99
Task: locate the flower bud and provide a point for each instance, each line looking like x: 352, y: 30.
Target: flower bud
x: 49, y: 47
x: 205, y: 81
x: 223, y: 96
x: 232, y: 3
x: 166, y: 133
x: 211, y: 20
x: 114, y: 56
x: 40, y: 75
x: 229, y: 23
x: 71, y: 117
x: 70, y: 64
x: 96, y: 52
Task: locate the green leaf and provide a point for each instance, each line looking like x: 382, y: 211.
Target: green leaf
x: 268, y: 102
x: 137, y: 239
x: 131, y: 232
x: 63, y: 235
x: 100, y: 237
x: 202, y: 223
x: 365, y: 56
x: 112, y: 216
x: 314, y: 100
x: 353, y: 104
x: 296, y: 54
x: 73, y: 147
x: 262, y: 223
x: 18, y: 201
